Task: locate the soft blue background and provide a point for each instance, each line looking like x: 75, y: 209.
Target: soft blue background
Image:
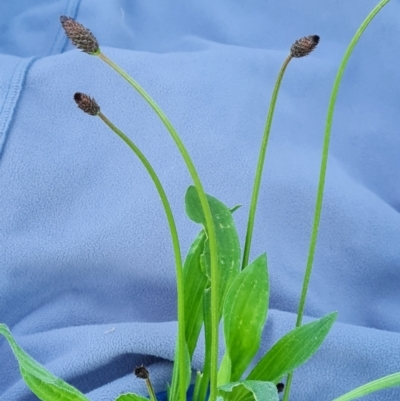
x: 87, y: 280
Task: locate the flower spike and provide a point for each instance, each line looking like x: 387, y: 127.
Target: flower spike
x: 304, y: 46
x: 87, y: 104
x: 80, y: 36
x: 141, y: 372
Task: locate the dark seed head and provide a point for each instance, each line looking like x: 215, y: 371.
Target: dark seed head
x: 304, y: 46
x: 80, y: 36
x: 280, y: 387
x: 87, y: 104
x: 141, y: 372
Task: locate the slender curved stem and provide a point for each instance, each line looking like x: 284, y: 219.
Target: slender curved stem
x: 324, y: 163
x: 260, y: 165
x: 196, y: 389
x: 151, y: 391
x: 173, y: 231
x: 382, y: 383
x: 207, y: 215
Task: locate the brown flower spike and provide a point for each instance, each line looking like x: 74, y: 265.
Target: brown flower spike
x: 87, y: 104
x: 304, y: 46
x: 141, y: 372
x: 80, y: 36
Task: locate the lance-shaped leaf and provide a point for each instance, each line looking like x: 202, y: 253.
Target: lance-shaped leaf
x: 224, y: 371
x: 251, y: 389
x: 195, y: 282
x: 368, y: 388
x: 227, y: 239
x: 42, y: 383
x: 186, y: 371
x: 244, y: 315
x: 292, y: 350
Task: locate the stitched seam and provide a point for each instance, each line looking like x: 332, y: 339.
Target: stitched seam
x: 11, y: 99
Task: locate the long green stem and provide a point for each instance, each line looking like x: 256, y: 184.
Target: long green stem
x: 207, y: 215
x: 260, y: 165
x: 324, y: 163
x: 205, y: 376
x: 203, y: 387
x: 151, y: 391
x: 195, y: 396
x: 174, y: 237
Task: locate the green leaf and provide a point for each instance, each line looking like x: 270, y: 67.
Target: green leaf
x: 234, y: 208
x: 195, y: 282
x: 251, y: 389
x: 42, y: 383
x: 131, y: 397
x: 174, y: 389
x: 205, y: 377
x: 292, y: 350
x: 224, y: 372
x: 227, y: 239
x: 376, y: 385
x: 244, y: 315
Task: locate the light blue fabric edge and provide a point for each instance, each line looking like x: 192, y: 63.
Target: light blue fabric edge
x: 11, y: 98
x: 60, y: 41
x: 20, y: 72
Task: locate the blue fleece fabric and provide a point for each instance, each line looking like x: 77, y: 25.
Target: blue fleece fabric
x: 87, y: 279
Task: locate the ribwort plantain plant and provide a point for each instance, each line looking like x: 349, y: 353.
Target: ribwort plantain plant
x: 216, y: 283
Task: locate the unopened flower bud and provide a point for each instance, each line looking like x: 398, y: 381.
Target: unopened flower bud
x: 87, y: 104
x: 304, y: 46
x: 80, y: 36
